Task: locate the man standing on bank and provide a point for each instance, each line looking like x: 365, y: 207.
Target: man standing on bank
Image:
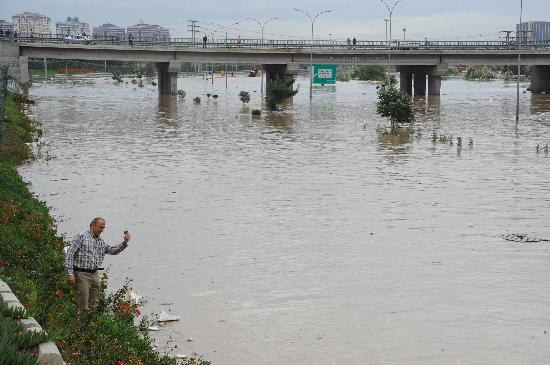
x: 83, y: 259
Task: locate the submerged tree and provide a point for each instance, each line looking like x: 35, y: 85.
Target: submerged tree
x: 244, y: 96
x: 278, y: 91
x: 395, y: 105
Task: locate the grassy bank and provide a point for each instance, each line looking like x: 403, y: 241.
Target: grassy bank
x: 31, y: 263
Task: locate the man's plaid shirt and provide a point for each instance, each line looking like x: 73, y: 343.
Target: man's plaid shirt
x: 87, y: 252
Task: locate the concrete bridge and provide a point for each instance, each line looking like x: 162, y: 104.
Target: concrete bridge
x: 415, y: 61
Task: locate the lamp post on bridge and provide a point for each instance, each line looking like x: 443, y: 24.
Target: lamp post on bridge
x: 313, y: 19
x: 390, y: 12
x: 519, y: 58
x: 386, y: 20
x: 404, y: 30
x: 224, y: 28
x: 262, y: 26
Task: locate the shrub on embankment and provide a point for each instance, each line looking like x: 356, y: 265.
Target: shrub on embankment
x: 31, y: 263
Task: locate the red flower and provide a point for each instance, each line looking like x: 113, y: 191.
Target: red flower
x: 2, y: 262
x: 138, y: 312
x: 121, y: 362
x: 76, y: 354
x: 59, y: 293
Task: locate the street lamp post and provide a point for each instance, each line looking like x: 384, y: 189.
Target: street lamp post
x: 386, y: 20
x: 313, y: 19
x: 390, y: 12
x: 262, y: 26
x: 404, y: 30
x: 519, y: 58
x: 224, y: 28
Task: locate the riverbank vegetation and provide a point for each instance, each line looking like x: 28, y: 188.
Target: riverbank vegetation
x: 486, y: 73
x: 31, y: 263
x: 369, y: 73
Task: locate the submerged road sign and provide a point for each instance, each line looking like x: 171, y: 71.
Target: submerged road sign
x: 324, y: 74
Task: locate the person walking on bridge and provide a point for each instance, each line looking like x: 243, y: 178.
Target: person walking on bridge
x: 204, y: 40
x: 83, y: 259
x: 130, y: 39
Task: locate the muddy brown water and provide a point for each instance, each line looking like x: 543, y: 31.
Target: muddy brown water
x: 302, y: 238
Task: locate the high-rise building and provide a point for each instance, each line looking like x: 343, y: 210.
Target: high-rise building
x: 6, y: 26
x: 109, y: 31
x: 27, y: 24
x: 148, y: 32
x: 535, y: 31
x: 72, y: 26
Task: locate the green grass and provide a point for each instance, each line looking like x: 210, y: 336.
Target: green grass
x: 31, y: 263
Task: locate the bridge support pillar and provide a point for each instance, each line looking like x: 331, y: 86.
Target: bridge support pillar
x: 280, y: 72
x: 406, y: 82
x: 434, y: 84
x: 540, y: 80
x: 167, y: 77
x: 419, y: 83
x: 277, y: 72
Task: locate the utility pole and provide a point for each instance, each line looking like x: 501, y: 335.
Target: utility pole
x: 507, y: 35
x: 193, y: 28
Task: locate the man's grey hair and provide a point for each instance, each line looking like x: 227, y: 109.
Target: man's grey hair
x: 94, y: 221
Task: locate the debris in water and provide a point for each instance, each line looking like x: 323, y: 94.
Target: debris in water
x: 520, y: 237
x: 165, y: 317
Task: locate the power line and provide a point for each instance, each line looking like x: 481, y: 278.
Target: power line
x: 193, y: 28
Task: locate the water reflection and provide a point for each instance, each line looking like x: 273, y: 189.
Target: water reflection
x: 540, y: 103
x: 167, y: 110
x: 283, y: 121
x: 427, y: 108
x: 398, y: 143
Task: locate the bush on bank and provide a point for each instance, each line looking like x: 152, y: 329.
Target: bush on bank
x: 31, y: 263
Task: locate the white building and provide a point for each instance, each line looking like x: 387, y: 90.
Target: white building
x: 533, y: 31
x: 72, y: 26
x: 109, y: 31
x: 6, y: 26
x: 28, y: 24
x: 148, y: 32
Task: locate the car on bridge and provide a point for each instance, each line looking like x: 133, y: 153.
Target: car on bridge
x: 81, y: 39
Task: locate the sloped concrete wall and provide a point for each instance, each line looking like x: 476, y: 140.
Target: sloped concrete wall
x: 48, y: 353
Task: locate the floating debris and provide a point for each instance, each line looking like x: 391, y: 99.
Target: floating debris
x: 519, y: 237
x: 134, y: 298
x: 154, y: 328
x: 165, y: 317
x: 190, y: 339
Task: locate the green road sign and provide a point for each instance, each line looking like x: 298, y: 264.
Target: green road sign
x: 324, y: 74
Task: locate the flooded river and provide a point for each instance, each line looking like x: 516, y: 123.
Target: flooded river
x: 302, y: 238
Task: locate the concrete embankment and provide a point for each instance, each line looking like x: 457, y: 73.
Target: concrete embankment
x: 48, y: 353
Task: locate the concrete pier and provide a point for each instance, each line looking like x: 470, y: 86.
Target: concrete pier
x: 414, y: 78
x: 280, y: 71
x: 540, y: 80
x: 406, y: 82
x: 419, y: 83
x: 167, y: 77
x: 434, y: 84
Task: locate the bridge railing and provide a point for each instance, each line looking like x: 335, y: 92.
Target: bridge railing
x: 288, y: 43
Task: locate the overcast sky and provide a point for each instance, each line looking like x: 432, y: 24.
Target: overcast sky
x: 432, y: 19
